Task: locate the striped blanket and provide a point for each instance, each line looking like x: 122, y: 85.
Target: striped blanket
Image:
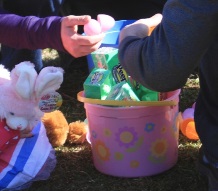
x: 21, y: 163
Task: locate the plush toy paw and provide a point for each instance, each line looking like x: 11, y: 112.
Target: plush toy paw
x: 77, y: 132
x: 56, y: 126
x: 59, y: 131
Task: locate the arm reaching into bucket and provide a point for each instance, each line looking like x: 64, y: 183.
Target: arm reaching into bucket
x: 167, y: 55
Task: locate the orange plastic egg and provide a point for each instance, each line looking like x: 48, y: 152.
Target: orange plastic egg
x: 187, y: 128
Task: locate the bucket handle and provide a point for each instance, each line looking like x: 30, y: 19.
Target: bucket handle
x: 81, y: 98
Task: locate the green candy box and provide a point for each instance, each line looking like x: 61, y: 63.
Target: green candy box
x: 98, y: 84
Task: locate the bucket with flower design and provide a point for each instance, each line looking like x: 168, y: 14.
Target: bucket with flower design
x: 134, y: 141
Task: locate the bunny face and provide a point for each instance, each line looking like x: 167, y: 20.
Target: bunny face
x: 21, y: 123
x: 19, y: 113
x: 16, y: 123
x: 29, y: 117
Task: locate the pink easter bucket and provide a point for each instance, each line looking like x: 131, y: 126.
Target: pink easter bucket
x: 134, y: 141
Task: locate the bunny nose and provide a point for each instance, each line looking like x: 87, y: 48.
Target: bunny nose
x: 19, y: 127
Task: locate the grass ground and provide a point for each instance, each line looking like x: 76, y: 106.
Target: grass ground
x: 75, y: 170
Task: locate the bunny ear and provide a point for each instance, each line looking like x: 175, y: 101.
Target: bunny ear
x: 23, y: 76
x: 4, y: 75
x: 49, y: 80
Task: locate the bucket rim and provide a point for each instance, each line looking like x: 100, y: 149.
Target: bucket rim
x: 167, y: 102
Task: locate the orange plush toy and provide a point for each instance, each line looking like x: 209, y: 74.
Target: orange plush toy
x: 59, y: 131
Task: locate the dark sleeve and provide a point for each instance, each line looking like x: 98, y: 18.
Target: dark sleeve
x: 164, y: 60
x: 30, y: 32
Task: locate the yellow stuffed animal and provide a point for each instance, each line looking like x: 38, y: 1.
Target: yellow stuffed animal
x: 59, y: 131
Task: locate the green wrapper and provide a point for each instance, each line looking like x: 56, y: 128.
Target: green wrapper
x: 146, y: 94
x: 122, y: 91
x: 107, y: 58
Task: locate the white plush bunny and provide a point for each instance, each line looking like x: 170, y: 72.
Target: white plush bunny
x: 20, y: 94
x: 21, y: 91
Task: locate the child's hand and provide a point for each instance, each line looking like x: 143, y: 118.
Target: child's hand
x: 141, y: 28
x: 76, y: 44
